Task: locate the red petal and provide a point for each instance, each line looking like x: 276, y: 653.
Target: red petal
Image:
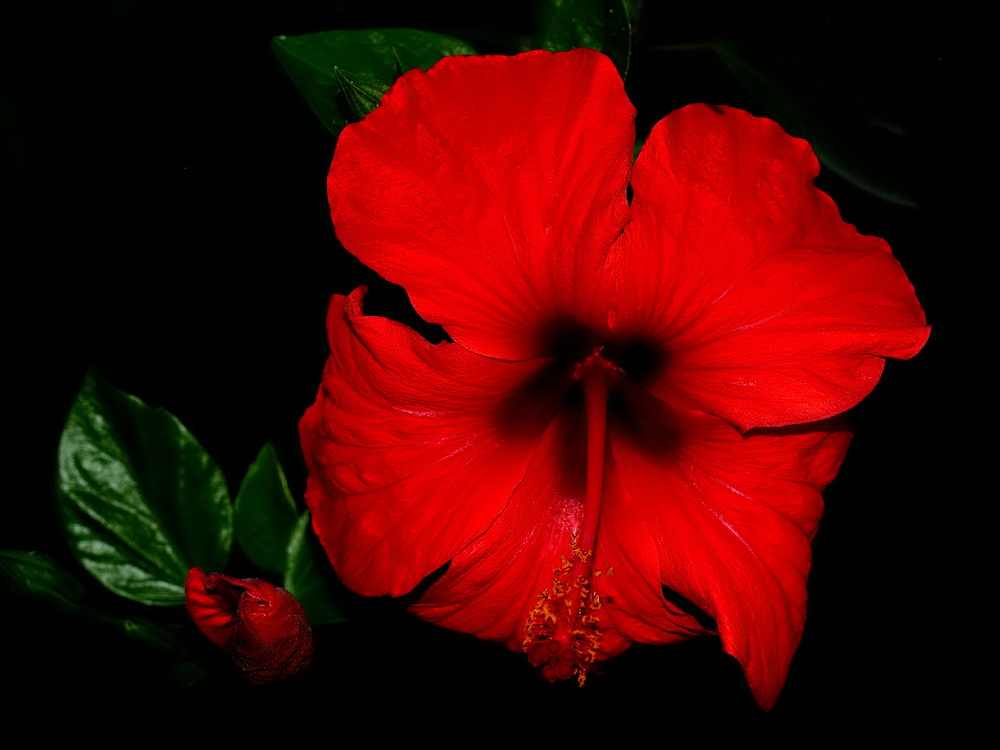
x: 491, y: 587
x: 723, y: 519
x: 774, y: 310
x: 490, y: 188
x: 212, y: 604
x: 410, y: 448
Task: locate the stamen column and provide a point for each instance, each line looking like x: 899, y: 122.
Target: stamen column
x: 595, y: 375
x: 562, y: 634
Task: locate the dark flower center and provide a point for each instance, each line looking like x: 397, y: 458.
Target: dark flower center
x: 632, y: 361
x: 638, y: 358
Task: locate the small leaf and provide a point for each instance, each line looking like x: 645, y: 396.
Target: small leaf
x: 34, y: 574
x: 140, y: 499
x: 604, y: 25
x: 343, y: 74
x: 265, y: 514
x: 304, y: 578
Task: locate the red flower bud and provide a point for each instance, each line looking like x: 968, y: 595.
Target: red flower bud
x: 263, y: 627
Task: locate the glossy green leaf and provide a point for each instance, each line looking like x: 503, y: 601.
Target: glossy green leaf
x: 343, y: 74
x: 264, y: 513
x: 140, y: 499
x: 34, y: 574
x: 604, y: 25
x: 307, y: 577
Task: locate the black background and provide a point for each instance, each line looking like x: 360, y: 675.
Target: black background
x: 167, y: 225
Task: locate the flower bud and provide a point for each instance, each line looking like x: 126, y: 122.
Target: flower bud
x: 262, y: 627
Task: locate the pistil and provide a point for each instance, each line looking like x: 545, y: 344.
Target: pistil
x: 562, y: 634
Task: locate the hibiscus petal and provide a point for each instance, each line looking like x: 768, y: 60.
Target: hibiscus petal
x: 491, y: 189
x: 411, y: 448
x: 491, y: 587
x: 212, y: 603
x: 773, y: 310
x: 725, y: 520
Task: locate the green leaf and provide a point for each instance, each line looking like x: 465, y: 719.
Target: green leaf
x: 604, y: 25
x: 305, y: 579
x: 140, y: 499
x: 343, y: 74
x: 34, y: 574
x: 362, y: 93
x: 265, y: 514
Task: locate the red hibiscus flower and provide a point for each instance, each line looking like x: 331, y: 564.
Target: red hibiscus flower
x: 627, y: 436
x: 263, y: 627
